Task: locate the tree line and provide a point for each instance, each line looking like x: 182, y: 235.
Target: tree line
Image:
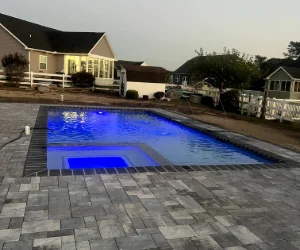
x: 239, y: 70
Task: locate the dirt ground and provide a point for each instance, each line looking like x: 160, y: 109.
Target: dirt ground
x: 284, y: 134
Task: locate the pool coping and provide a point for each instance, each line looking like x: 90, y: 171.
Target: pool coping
x: 36, y: 161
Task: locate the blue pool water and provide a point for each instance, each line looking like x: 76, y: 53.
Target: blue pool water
x: 176, y: 143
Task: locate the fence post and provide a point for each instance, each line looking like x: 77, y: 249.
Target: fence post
x: 282, y: 115
x: 63, y: 81
x: 249, y: 105
x: 259, y: 106
x: 31, y: 78
x: 242, y: 104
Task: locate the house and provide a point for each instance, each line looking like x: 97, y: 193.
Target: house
x: 145, y: 79
x: 183, y: 73
x: 119, y: 63
x: 284, y: 83
x: 53, y: 51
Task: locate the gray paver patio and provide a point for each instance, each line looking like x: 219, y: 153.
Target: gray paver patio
x: 255, y: 209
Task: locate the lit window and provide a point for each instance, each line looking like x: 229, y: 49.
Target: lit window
x: 106, y: 69
x: 177, y: 78
x: 101, y: 68
x: 285, y: 86
x: 91, y: 65
x: 111, y: 69
x: 43, y: 62
x: 274, y: 85
x: 96, y: 67
x: 297, y: 87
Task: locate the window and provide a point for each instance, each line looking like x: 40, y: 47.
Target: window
x: 106, y: 69
x: 43, y: 62
x: 297, y: 87
x: 96, y: 67
x: 177, y: 78
x: 111, y: 69
x: 285, y: 86
x: 274, y: 85
x: 101, y: 68
x: 91, y: 65
x: 83, y: 63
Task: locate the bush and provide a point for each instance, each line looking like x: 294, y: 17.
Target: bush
x: 230, y: 100
x: 132, y: 94
x: 83, y: 79
x: 159, y: 95
x: 207, y: 100
x: 14, y: 67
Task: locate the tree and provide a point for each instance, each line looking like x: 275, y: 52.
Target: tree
x: 293, y: 50
x: 14, y: 67
x: 231, y: 68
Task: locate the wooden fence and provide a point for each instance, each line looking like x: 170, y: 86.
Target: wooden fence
x: 275, y: 109
x: 32, y: 78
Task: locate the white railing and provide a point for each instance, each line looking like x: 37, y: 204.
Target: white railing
x: 32, y: 78
x: 275, y: 108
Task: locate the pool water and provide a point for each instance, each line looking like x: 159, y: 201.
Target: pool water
x: 177, y: 143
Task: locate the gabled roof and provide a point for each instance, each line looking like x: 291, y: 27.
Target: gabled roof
x: 149, y: 69
x: 186, y: 67
x: 292, y: 72
x: 124, y: 63
x: 39, y: 37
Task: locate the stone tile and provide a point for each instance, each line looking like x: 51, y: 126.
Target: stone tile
x: 108, y: 229
x: 136, y: 242
x: 87, y: 211
x: 21, y: 245
x: 153, y: 230
x: 226, y: 240
x: 190, y: 204
x: 79, y: 196
x: 40, y: 226
x: 4, y: 223
x: 38, y: 199
x: 261, y: 222
x: 203, y: 217
x: 244, y: 234
x: 204, y: 229
x: 138, y: 223
x: 61, y: 207
x: 182, y: 244
x: 176, y: 232
x: 47, y: 243
x: 16, y: 222
x: 32, y: 236
x: 106, y: 244
x: 60, y: 233
x: 235, y: 248
x: 129, y: 229
x: 205, y: 242
x: 90, y: 221
x: 36, y: 215
x: 16, y: 197
x: 29, y: 187
x: 10, y: 234
x: 267, y: 235
x: 83, y: 245
x: 160, y: 240
x: 13, y: 210
x: 72, y: 223
x: 227, y: 220
x: 84, y: 234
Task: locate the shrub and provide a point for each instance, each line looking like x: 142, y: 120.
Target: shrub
x: 159, y: 95
x: 230, y: 100
x: 207, y: 100
x: 132, y: 94
x: 83, y: 79
x: 14, y: 67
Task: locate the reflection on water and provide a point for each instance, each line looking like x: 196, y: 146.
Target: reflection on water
x: 179, y: 144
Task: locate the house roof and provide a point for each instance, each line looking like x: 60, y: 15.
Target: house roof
x: 186, y: 67
x: 39, y: 37
x: 292, y: 71
x: 123, y: 62
x: 149, y: 69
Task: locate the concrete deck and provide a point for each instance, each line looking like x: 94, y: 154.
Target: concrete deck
x: 232, y: 210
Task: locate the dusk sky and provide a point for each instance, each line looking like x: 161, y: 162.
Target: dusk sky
x: 167, y: 32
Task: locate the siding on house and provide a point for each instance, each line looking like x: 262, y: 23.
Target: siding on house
x: 280, y: 75
x: 279, y: 94
x: 295, y: 95
x: 60, y: 63
x: 35, y: 62
x: 103, y: 49
x: 8, y: 44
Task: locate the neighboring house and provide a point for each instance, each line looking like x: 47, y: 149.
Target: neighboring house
x: 120, y: 63
x: 53, y: 51
x: 145, y: 79
x: 284, y: 83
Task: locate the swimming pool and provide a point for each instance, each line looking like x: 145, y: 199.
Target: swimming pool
x: 86, y: 137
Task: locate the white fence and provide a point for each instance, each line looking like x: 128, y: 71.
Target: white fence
x: 145, y: 88
x: 32, y: 78
x: 275, y: 108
